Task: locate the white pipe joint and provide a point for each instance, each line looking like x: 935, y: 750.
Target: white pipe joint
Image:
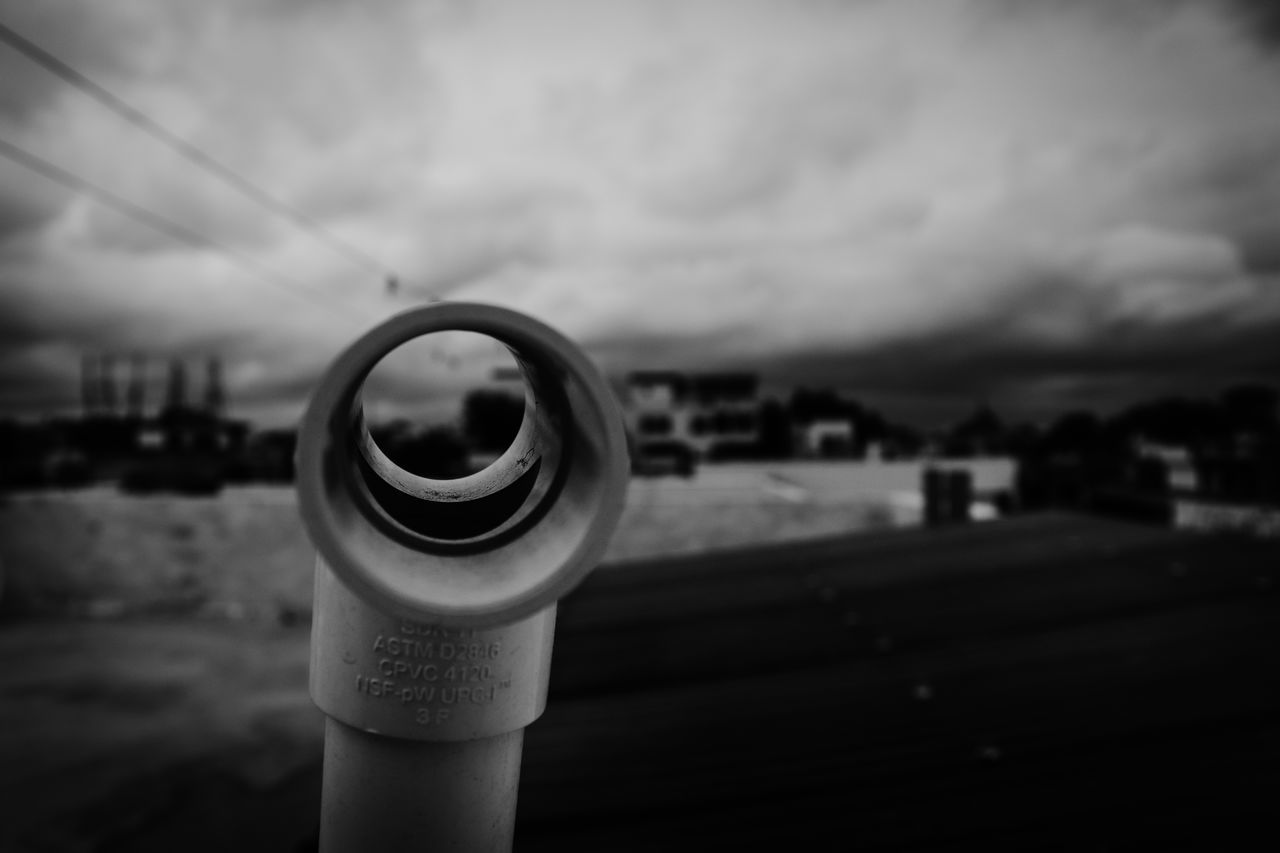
x: 435, y: 599
x: 386, y: 533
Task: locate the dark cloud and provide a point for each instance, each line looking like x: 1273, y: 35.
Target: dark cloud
x: 293, y: 387
x: 89, y: 37
x: 829, y: 198
x: 27, y: 203
x: 470, y: 237
x: 17, y: 333
x: 1231, y: 187
x: 1050, y: 342
x: 1260, y: 250
x: 820, y: 126
x: 1238, y: 170
x: 944, y: 375
x: 40, y: 363
x: 1259, y: 18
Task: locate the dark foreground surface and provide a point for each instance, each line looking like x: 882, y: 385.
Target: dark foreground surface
x: 1049, y: 682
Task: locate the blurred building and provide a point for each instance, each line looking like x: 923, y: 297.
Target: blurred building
x: 714, y: 415
x: 1177, y: 464
x: 825, y: 438
x: 174, y: 443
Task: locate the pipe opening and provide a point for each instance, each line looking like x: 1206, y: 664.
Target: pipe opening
x: 455, y: 437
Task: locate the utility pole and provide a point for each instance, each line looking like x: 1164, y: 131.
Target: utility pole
x: 107, y: 382
x: 136, y: 398
x: 89, y: 387
x: 176, y: 395
x: 215, y: 397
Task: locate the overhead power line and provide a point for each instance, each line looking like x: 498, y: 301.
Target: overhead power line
x: 154, y: 221
x: 195, y: 155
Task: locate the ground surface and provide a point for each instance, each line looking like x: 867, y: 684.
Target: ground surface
x: 1047, y: 682
x: 244, y: 556
x: 153, y: 651
x: 1039, y: 683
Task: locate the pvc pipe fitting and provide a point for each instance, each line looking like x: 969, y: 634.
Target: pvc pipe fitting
x: 385, y: 532
x: 435, y: 599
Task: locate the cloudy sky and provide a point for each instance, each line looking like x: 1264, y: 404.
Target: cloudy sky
x: 1041, y: 204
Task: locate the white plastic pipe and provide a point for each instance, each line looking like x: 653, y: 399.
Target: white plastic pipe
x: 435, y: 599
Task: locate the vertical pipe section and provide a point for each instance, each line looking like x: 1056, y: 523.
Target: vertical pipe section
x: 425, y: 724
x: 384, y: 793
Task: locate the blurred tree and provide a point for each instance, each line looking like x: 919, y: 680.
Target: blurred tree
x: 1250, y: 408
x: 1075, y: 432
x: 871, y: 426
x: 176, y: 393
x: 438, y: 452
x: 1024, y: 439
x: 1170, y: 420
x: 901, y: 441
x: 807, y: 406
x: 775, y: 431
x: 979, y: 434
x: 491, y: 419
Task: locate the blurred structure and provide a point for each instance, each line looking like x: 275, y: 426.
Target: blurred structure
x: 980, y: 434
x: 136, y: 396
x: 1173, y: 465
x: 215, y: 397
x: 89, y: 388
x: 676, y: 420
x: 713, y: 415
x: 826, y: 437
x: 267, y: 458
x: 180, y: 447
x: 509, y: 379
x: 1190, y: 463
x: 175, y: 397
x: 824, y: 424
x: 107, y: 385
x: 948, y: 496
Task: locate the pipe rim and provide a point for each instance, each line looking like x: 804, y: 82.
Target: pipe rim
x: 467, y: 583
